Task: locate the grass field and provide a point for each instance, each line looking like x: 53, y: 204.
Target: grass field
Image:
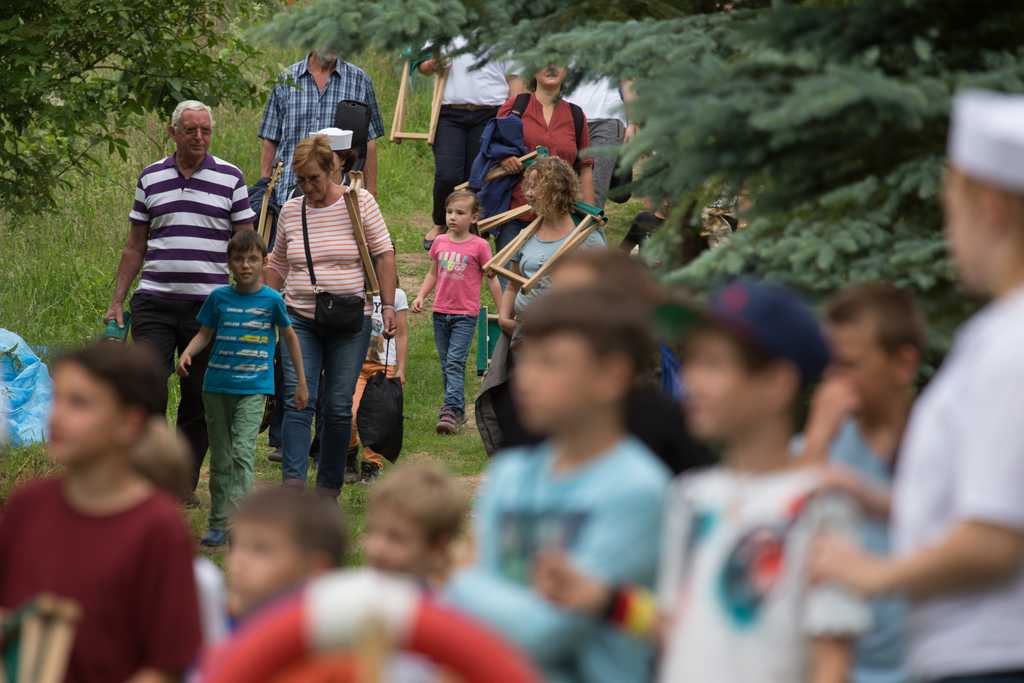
x: 59, y: 268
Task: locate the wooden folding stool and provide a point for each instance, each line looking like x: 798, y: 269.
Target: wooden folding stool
x: 593, y: 219
x: 397, y: 134
x: 267, y: 195
x: 36, y: 640
x: 359, y: 232
x: 496, y: 266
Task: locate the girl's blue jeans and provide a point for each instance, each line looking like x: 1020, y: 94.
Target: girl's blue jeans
x: 453, y: 335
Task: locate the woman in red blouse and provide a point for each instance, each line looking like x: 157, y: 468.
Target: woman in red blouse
x: 547, y: 122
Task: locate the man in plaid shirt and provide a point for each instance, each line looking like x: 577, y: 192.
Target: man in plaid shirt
x: 303, y: 103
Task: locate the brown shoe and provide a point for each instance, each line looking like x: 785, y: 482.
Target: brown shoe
x: 446, y: 423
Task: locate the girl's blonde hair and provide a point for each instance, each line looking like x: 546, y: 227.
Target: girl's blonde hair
x: 475, y: 208
x: 553, y: 186
x: 315, y: 148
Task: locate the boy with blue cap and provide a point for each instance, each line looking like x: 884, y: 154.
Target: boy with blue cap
x: 732, y: 580
x: 958, y: 512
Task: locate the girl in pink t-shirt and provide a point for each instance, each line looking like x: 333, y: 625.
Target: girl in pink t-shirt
x: 459, y: 255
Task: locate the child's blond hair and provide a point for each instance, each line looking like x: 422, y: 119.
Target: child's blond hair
x: 163, y: 457
x: 553, y: 187
x: 427, y: 494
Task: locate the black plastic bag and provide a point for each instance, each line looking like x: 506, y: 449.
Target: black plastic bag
x: 380, y: 416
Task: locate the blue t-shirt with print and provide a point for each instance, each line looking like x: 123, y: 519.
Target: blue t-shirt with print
x: 242, y: 360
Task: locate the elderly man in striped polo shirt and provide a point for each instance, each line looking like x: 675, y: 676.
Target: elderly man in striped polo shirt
x: 186, y: 208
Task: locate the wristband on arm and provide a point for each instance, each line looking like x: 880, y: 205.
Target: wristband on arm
x: 632, y: 609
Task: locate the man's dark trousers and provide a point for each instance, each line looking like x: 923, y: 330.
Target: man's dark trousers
x: 168, y: 325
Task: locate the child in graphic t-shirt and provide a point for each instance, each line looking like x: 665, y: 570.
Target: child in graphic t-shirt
x: 387, y: 356
x: 732, y: 582
x: 240, y: 320
x: 459, y: 255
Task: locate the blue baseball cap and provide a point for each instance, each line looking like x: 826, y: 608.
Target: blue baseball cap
x: 773, y: 318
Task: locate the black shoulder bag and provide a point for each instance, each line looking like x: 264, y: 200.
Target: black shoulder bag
x: 335, y: 313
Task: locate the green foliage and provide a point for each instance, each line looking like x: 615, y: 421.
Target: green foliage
x: 77, y: 74
x: 831, y: 114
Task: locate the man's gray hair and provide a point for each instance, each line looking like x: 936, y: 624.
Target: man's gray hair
x: 189, y: 105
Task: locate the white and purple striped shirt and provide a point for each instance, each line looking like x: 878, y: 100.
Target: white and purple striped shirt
x: 190, y: 221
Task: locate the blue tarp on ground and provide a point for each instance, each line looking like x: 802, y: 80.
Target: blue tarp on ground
x: 25, y: 383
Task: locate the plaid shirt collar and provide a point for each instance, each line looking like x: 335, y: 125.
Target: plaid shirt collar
x: 304, y: 69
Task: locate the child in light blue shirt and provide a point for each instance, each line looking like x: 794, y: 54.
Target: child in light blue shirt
x: 588, y: 491
x: 858, y: 416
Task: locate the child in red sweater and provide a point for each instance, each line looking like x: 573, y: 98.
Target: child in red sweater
x: 99, y: 534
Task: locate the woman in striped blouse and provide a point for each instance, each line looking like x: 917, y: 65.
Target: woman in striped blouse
x: 338, y: 270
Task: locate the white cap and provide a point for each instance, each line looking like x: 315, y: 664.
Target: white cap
x: 986, y: 137
x: 340, y: 139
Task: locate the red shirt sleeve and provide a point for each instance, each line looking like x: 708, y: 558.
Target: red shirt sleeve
x: 172, y: 634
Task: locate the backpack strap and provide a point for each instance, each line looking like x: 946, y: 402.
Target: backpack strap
x: 522, y: 100
x: 577, y: 124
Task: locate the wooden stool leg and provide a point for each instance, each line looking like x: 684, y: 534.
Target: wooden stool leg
x: 512, y: 248
x: 397, y: 120
x: 31, y: 645
x: 374, y: 651
x: 435, y: 107
x: 352, y: 204
x: 58, y: 652
x: 488, y: 224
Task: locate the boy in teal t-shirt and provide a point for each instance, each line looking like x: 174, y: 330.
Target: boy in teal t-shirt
x: 241, y: 321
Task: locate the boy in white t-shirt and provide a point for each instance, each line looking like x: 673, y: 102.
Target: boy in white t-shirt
x: 383, y: 355
x: 958, y: 508
x: 732, y: 584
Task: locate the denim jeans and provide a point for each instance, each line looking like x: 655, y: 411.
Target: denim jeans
x: 456, y: 144
x: 340, y: 357
x: 453, y: 335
